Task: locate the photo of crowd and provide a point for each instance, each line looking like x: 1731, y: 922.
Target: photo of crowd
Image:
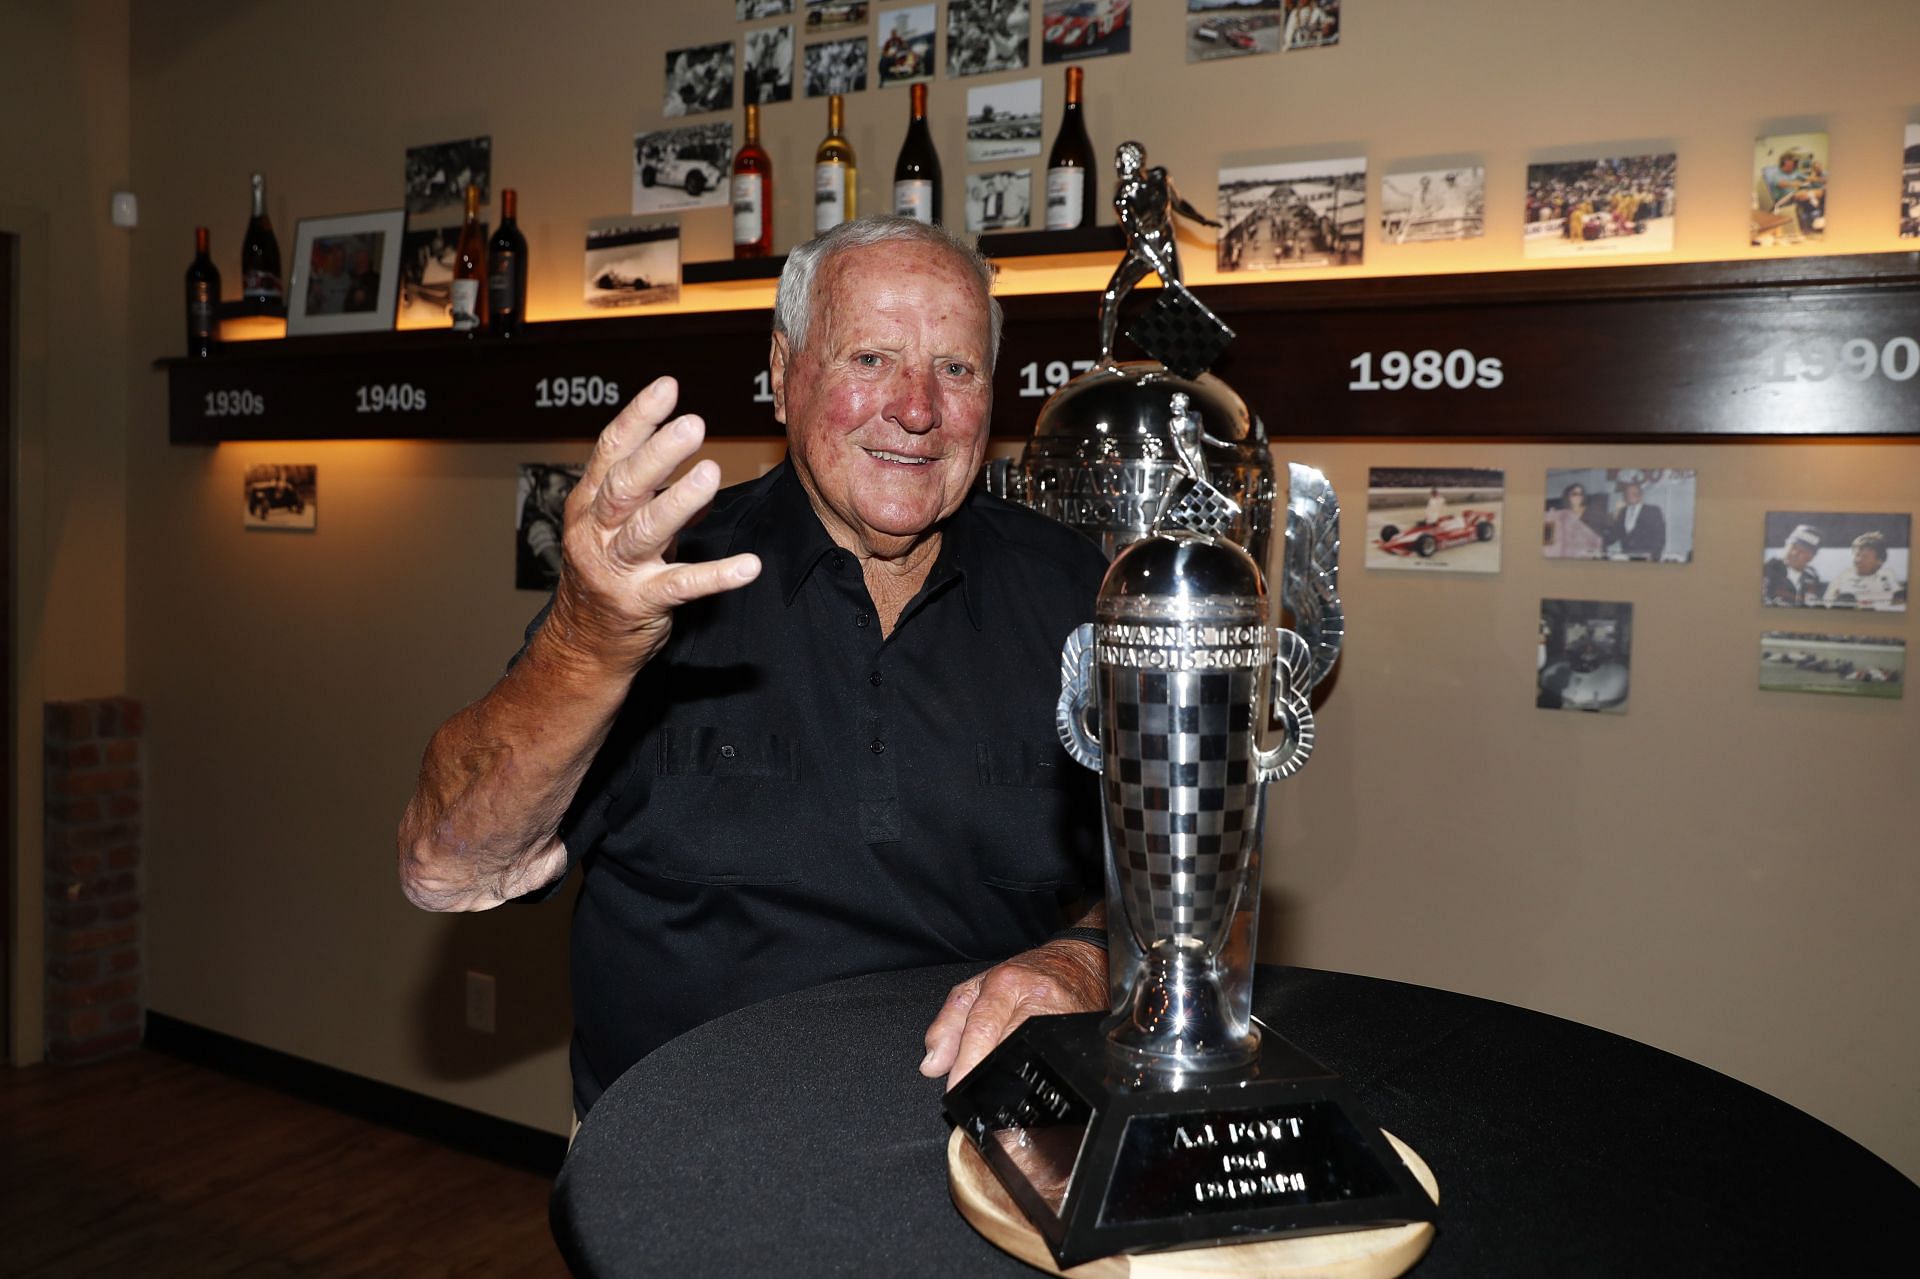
x: 766, y: 71
x: 985, y: 36
x: 438, y: 175
x: 1624, y: 513
x: 1618, y: 204
x: 1310, y: 213
x: 1849, y: 665
x: 1433, y: 204
x: 837, y: 66
x: 1836, y: 559
x: 1586, y: 650
x: 699, y: 79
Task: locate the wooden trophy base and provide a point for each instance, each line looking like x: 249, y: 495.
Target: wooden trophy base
x: 1355, y: 1254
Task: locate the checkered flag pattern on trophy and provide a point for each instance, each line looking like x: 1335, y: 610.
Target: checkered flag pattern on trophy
x: 1179, y: 331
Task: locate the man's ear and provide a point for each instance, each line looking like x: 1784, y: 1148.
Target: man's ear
x: 777, y: 376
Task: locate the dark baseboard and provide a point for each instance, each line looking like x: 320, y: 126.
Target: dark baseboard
x: 456, y: 1126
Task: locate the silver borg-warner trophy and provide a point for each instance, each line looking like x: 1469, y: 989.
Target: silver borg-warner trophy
x: 1172, y: 1120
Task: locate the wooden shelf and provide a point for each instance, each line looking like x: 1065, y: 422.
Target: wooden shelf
x: 1740, y: 349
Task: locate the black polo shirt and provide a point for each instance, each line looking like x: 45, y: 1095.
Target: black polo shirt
x: 788, y: 799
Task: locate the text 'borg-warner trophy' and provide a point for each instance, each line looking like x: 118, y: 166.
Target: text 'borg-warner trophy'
x: 1175, y: 1119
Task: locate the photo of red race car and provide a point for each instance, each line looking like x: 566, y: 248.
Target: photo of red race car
x: 1084, y: 23
x: 1424, y: 539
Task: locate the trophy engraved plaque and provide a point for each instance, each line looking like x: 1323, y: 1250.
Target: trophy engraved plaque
x: 1175, y: 1119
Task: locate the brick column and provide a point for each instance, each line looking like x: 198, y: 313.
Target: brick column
x: 95, y: 1005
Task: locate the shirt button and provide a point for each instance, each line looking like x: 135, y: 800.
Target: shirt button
x: 877, y: 746
x: 874, y: 679
x: 861, y: 620
x: 726, y: 752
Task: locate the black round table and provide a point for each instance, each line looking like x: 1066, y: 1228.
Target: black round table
x: 797, y: 1137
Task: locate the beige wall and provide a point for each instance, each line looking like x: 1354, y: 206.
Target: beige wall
x: 1716, y: 873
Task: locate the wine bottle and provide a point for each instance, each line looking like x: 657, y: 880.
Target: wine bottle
x: 203, y: 299
x: 752, y: 193
x: 834, y: 173
x: 469, y: 302
x: 507, y: 272
x: 1070, y: 181
x: 260, y: 279
x: 916, y: 174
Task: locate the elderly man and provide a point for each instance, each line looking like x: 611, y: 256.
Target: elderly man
x: 1791, y: 581
x: 813, y: 736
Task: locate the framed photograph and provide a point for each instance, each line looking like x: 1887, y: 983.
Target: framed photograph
x: 426, y: 271
x: 632, y: 263
x: 837, y: 66
x: 1586, y: 648
x: 438, y: 175
x: 699, y: 79
x: 1847, y: 665
x: 1433, y: 204
x: 1789, y: 189
x: 1435, y: 518
x: 1232, y: 28
x: 1003, y: 121
x: 684, y: 168
x: 833, y: 15
x: 1310, y: 213
x: 1624, y: 513
x: 766, y: 71
x: 1074, y: 29
x: 1312, y: 24
x: 346, y: 273
x: 1616, y: 204
x: 1836, y: 559
x: 999, y: 201
x: 542, y: 505
x: 985, y: 36
x: 1910, y: 186
x: 906, y: 45
x: 282, y: 496
x: 753, y: 10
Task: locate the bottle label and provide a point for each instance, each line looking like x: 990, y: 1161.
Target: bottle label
x: 261, y: 286
x: 1066, y: 191
x: 503, y: 272
x: 748, y: 195
x: 913, y: 198
x: 200, y: 321
x: 829, y: 196
x: 465, y: 305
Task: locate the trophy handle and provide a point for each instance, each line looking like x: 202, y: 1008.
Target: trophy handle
x: 1311, y: 588
x: 1074, y: 714
x: 1292, y: 660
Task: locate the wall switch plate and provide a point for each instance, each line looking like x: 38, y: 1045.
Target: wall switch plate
x: 480, y: 1002
x: 126, y: 209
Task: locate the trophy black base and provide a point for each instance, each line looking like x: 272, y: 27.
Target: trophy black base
x: 1105, y: 1157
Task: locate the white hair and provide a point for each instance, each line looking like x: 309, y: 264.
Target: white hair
x: 793, y: 303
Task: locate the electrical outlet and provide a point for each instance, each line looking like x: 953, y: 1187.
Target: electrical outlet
x: 480, y: 1002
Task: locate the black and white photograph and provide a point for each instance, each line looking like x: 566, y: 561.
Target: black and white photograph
x: 835, y: 15
x: 699, y: 80
x: 985, y: 36
x: 1433, y: 204
x: 282, y: 496
x: 438, y: 175
x: 766, y: 66
x: 632, y: 263
x: 754, y: 10
x: 346, y: 273
x: 426, y: 271
x: 1435, y: 518
x: 1846, y: 665
x: 1836, y: 559
x: 1586, y: 650
x: 1616, y: 204
x: 1308, y: 213
x: 1074, y: 29
x: 684, y: 168
x: 1003, y: 121
x: 1910, y: 185
x: 836, y: 66
x: 906, y: 45
x: 542, y: 503
x: 999, y: 201
x: 1311, y: 24
x: 1789, y: 189
x: 1619, y: 513
x: 1232, y: 28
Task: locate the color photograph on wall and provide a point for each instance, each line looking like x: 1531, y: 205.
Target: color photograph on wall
x: 1232, y: 28
x: 1433, y: 204
x: 836, y: 66
x: 282, y: 496
x: 1586, y: 650
x: 766, y: 66
x: 1074, y: 29
x: 906, y: 45
x: 1003, y: 121
x: 985, y: 36
x: 1836, y: 559
x: 632, y: 263
x: 1847, y: 665
x: 1910, y: 185
x: 999, y: 201
x: 834, y: 15
x: 685, y: 168
x: 1789, y: 189
x: 1307, y: 213
x: 1616, y: 204
x: 1428, y: 518
x: 1311, y: 24
x: 541, y: 501
x: 1622, y: 513
x: 438, y: 175
x: 699, y: 80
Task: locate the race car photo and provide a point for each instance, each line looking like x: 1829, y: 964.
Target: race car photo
x: 1425, y: 539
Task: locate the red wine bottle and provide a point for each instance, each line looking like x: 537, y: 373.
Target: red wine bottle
x: 916, y: 174
x: 752, y: 194
x: 203, y: 299
x: 469, y: 301
x: 1070, y: 183
x: 260, y: 278
x: 507, y: 272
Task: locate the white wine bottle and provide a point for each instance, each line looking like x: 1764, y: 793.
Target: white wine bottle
x: 834, y: 173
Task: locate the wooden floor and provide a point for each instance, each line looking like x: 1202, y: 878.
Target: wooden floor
x: 148, y: 1166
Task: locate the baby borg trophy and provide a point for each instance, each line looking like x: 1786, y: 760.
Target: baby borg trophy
x: 1176, y: 1120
